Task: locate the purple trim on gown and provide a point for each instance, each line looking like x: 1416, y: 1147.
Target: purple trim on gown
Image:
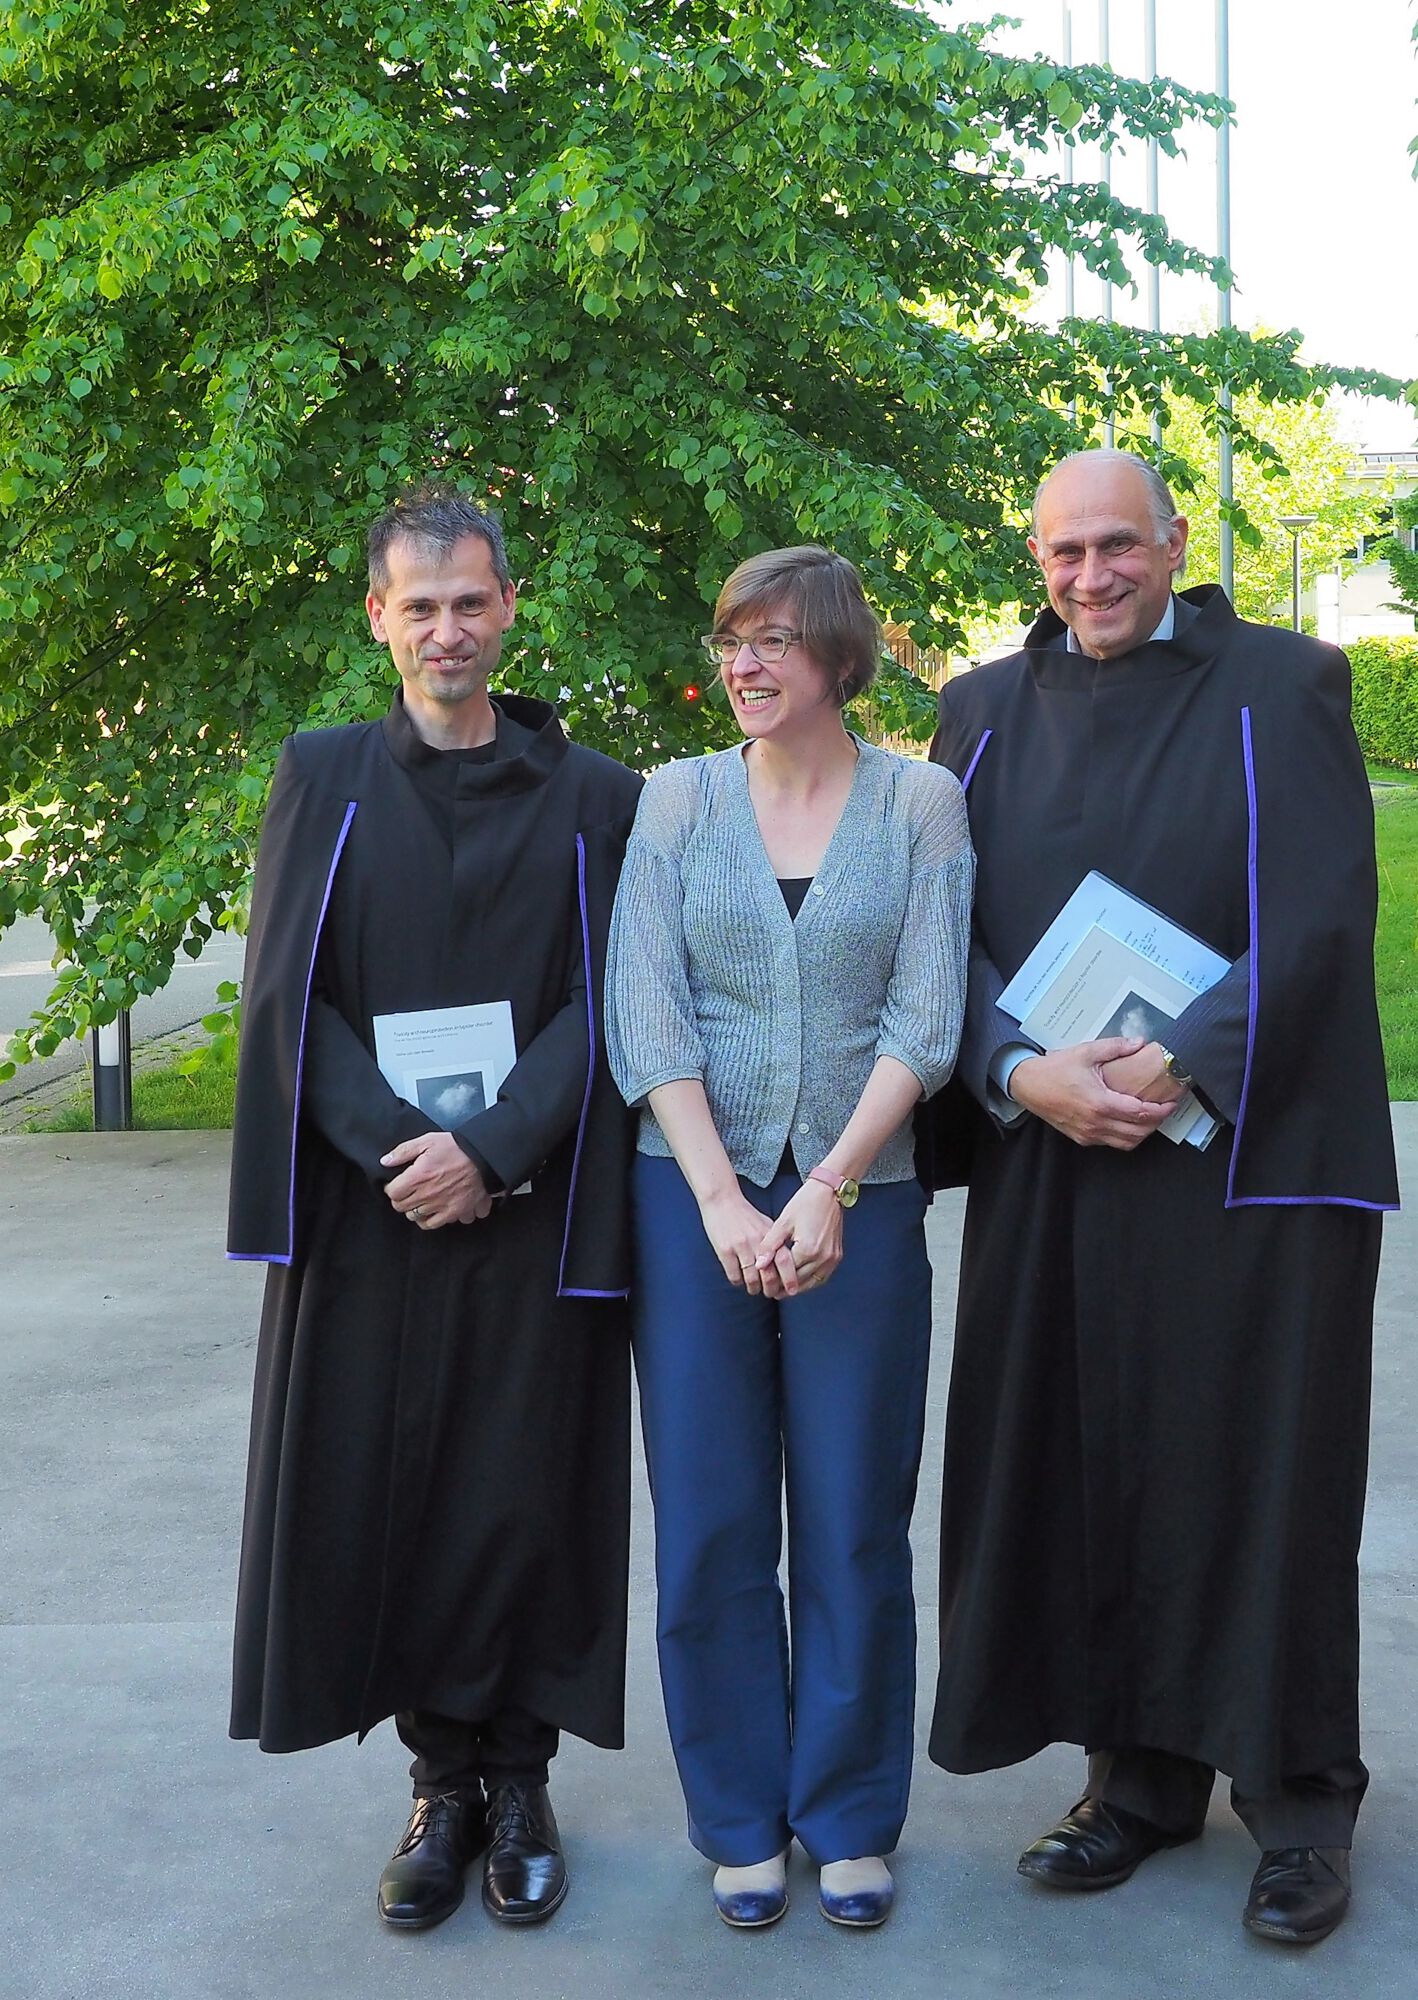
x: 563, y: 1290
x: 1234, y: 1200
x: 274, y: 1256
x: 979, y: 753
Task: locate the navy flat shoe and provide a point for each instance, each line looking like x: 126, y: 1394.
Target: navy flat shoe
x: 749, y: 1905
x: 751, y: 1909
x: 858, y: 1908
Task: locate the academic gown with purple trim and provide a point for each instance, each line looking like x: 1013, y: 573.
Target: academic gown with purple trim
x: 1158, y: 1419
x: 438, y: 1486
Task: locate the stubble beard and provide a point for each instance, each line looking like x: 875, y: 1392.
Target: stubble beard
x: 448, y: 690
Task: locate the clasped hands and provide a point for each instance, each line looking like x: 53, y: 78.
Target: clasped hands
x: 1113, y: 1092
x: 779, y: 1259
x: 439, y: 1183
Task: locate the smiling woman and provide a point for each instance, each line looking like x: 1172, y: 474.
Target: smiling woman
x: 805, y: 598
x: 785, y: 981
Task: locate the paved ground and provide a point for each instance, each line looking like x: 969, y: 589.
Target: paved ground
x: 145, y: 1857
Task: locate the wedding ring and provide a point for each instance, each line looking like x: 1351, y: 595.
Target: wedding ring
x: 416, y: 1213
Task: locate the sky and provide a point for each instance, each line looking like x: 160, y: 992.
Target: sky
x: 1324, y: 206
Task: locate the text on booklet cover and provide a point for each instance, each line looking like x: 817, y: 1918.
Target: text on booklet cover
x: 449, y: 1061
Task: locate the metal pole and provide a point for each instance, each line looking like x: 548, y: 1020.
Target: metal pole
x: 1109, y: 427
x: 1068, y: 154
x: 1154, y: 206
x: 1295, y: 526
x: 1069, y: 307
x: 1226, y: 540
x: 112, y: 1049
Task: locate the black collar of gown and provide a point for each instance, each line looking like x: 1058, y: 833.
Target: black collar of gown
x: 525, y: 756
x: 1198, y: 639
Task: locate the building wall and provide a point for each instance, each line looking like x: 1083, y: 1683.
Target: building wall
x: 1355, y: 603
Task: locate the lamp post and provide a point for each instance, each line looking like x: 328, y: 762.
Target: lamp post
x: 1297, y: 524
x: 112, y: 1050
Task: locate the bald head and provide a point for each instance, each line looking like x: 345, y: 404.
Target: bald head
x: 1109, y: 541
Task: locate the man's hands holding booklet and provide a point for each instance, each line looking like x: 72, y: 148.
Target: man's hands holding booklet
x: 1112, y: 1092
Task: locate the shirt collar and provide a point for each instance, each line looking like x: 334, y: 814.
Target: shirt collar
x: 1164, y: 630
x: 527, y: 751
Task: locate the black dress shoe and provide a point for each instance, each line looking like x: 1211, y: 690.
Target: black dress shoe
x: 1096, y: 1846
x: 423, y: 1882
x: 524, y: 1876
x: 1299, y: 1894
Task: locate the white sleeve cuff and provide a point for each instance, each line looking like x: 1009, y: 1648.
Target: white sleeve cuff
x: 1002, y: 1065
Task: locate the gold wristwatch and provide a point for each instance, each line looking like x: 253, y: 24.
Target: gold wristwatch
x: 842, y: 1185
x: 1171, y: 1067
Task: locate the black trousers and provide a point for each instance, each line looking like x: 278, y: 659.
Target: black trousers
x: 450, y: 1755
x: 1317, y: 1809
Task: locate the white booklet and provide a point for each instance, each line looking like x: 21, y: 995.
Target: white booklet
x: 449, y: 1061
x: 1109, y: 964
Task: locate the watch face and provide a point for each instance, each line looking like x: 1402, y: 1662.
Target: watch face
x: 847, y: 1194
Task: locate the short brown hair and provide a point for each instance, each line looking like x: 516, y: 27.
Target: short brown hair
x: 823, y: 595
x: 435, y: 517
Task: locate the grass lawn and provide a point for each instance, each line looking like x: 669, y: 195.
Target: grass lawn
x: 164, y: 1099
x: 1396, y: 947
x: 1390, y: 774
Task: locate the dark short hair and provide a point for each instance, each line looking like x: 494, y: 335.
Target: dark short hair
x: 823, y: 595
x: 435, y: 515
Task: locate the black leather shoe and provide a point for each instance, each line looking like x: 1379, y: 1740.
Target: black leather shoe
x: 1299, y: 1894
x: 1095, y: 1847
x: 423, y: 1882
x: 524, y: 1876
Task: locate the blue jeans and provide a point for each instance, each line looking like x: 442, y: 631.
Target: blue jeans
x: 739, y: 1397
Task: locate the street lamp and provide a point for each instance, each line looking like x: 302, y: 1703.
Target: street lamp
x: 1297, y: 524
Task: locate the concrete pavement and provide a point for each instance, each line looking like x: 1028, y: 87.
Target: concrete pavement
x: 143, y: 1856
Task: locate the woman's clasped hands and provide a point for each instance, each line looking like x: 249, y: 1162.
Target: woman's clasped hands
x: 795, y: 1254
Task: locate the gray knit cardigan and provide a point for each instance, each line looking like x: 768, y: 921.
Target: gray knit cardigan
x: 781, y: 1020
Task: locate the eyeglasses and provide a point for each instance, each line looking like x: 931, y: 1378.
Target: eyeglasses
x: 767, y: 648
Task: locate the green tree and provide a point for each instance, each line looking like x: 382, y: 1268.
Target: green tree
x: 1302, y: 472
x: 650, y: 276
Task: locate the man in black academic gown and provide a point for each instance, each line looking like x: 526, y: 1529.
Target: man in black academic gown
x: 438, y: 1490
x: 1158, y: 1422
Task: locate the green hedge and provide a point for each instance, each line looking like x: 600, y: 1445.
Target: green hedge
x: 1386, y: 698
